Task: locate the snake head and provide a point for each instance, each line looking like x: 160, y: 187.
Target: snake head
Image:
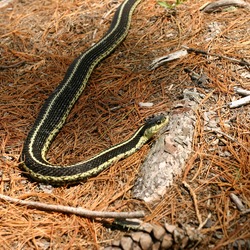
x: 154, y: 124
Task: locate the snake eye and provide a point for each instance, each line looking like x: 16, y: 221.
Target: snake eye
x: 161, y: 119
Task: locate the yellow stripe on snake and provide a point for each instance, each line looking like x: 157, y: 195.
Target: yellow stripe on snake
x: 56, y: 108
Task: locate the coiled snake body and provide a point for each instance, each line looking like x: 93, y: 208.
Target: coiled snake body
x: 56, y: 108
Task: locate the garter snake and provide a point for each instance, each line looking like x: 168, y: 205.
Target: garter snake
x: 56, y: 108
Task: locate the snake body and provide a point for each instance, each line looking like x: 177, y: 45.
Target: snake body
x: 56, y: 108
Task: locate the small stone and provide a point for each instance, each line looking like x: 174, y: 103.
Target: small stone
x: 209, y: 223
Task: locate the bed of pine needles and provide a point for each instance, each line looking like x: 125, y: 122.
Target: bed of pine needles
x: 39, y: 39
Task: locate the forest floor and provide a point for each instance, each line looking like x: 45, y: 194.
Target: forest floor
x: 39, y: 39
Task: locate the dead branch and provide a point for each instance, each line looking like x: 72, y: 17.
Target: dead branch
x: 247, y: 211
x: 241, y: 91
x: 73, y: 210
x: 15, y: 65
x: 167, y: 58
x: 229, y: 137
x: 240, y: 102
x: 192, y: 193
x: 218, y: 5
x: 241, y: 62
x: 237, y: 201
x: 4, y: 3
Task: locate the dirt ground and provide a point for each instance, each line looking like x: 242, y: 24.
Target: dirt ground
x: 38, y: 41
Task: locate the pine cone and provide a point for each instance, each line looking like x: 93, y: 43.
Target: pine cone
x: 154, y: 237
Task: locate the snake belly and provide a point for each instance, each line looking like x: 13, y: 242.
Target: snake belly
x: 56, y: 108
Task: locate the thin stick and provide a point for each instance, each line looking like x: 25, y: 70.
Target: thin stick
x: 241, y: 91
x: 15, y: 65
x: 217, y: 5
x: 229, y: 137
x: 237, y: 201
x: 73, y: 210
x: 204, y: 222
x: 242, y: 101
x: 191, y: 191
x: 247, y: 211
x: 241, y: 62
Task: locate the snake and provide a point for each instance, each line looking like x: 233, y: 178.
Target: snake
x: 56, y: 108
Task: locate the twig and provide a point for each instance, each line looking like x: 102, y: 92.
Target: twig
x: 73, y: 210
x: 5, y: 3
x: 204, y: 222
x: 237, y: 202
x: 240, y: 102
x: 191, y: 191
x: 229, y: 137
x: 15, y: 65
x: 217, y: 5
x: 167, y: 58
x: 247, y: 211
x: 241, y: 91
x: 241, y: 62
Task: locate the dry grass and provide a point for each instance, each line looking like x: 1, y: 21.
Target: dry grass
x: 45, y: 36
